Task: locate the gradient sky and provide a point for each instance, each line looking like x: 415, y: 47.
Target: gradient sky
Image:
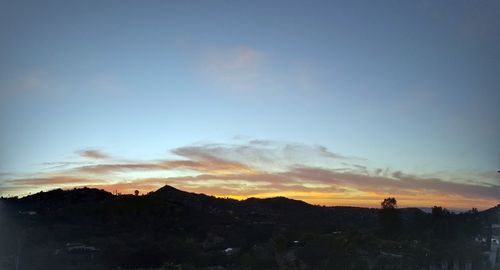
x: 332, y: 102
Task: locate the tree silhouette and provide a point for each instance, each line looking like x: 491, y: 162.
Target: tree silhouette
x: 439, y: 212
x: 390, y: 217
x: 389, y: 203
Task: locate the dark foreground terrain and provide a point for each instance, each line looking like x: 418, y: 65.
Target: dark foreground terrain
x: 172, y: 229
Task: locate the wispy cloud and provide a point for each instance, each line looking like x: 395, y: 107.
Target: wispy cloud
x: 41, y: 83
x: 267, y: 168
x: 239, y: 69
x: 214, y: 166
x: 246, y: 69
x: 93, y: 154
x: 267, y: 155
x: 52, y: 180
x: 29, y: 83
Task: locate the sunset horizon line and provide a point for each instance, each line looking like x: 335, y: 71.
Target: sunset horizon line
x: 131, y: 192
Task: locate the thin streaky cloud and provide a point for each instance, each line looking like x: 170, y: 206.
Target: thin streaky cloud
x: 93, y: 154
x: 215, y: 166
x: 51, y: 180
x: 264, y: 154
x: 240, y: 69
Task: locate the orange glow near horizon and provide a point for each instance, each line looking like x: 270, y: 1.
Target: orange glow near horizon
x: 238, y: 180
x: 355, y: 198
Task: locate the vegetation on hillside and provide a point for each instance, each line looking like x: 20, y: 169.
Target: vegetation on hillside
x: 173, y: 229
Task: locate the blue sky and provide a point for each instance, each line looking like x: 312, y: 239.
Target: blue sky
x: 410, y: 87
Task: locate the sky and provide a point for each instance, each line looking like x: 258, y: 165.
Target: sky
x: 331, y: 102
